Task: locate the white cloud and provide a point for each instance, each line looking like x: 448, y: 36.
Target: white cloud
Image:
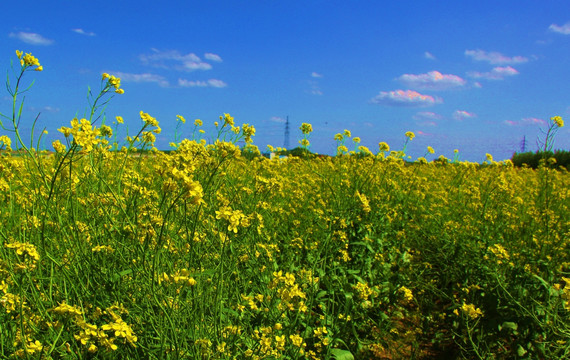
x: 526, y: 122
x: 217, y: 83
x: 316, y: 75
x: 82, y: 32
x: 31, y: 38
x: 208, y: 83
x: 277, y: 119
x: 429, y: 55
x: 48, y: 108
x: 498, y: 73
x: 427, y: 115
x: 462, y: 114
x: 564, y: 29
x: 175, y: 60
x: 405, y: 98
x: 533, y: 121
x: 188, y: 83
x: 494, y: 57
x: 315, y: 89
x: 433, y: 80
x: 213, y: 57
x: 141, y: 78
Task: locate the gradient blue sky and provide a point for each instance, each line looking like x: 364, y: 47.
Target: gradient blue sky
x: 470, y: 75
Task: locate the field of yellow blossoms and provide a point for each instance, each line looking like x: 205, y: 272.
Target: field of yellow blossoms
x: 211, y: 251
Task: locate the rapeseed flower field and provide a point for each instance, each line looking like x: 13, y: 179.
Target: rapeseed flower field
x: 113, y: 250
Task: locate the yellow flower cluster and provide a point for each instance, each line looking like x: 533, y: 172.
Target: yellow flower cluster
x: 114, y: 82
x: 363, y: 290
x: 91, y: 335
x: 227, y: 119
x: 24, y: 248
x: 288, y: 291
x: 235, y: 218
x: 364, y: 202
x: 5, y: 142
x: 306, y: 128
x: 384, y: 147
x: 248, y: 131
x: 408, y: 295
x: 304, y: 142
x: 470, y: 310
x: 558, y: 121
x: 84, y: 134
x: 180, y: 277
x: 28, y: 60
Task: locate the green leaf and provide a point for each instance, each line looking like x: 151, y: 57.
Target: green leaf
x: 509, y: 325
x: 521, y: 351
x: 340, y: 354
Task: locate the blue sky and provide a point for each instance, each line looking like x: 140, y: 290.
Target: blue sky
x: 475, y: 76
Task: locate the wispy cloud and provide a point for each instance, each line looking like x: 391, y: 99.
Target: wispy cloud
x: 315, y: 89
x: 564, y: 29
x: 217, y: 83
x: 429, y: 55
x: 526, y: 122
x: 498, y: 73
x: 212, y: 57
x: 433, y: 80
x: 83, y: 32
x: 198, y: 83
x: 407, y: 98
x: 277, y: 119
x: 31, y: 38
x: 49, y: 109
x: 427, y: 115
x: 494, y: 57
x: 141, y: 78
x: 462, y: 115
x: 175, y: 60
x: 316, y: 75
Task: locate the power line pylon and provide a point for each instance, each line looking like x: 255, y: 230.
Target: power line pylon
x: 286, y: 142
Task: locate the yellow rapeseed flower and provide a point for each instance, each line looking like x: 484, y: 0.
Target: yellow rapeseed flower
x: 558, y: 121
x: 304, y: 142
x: 5, y: 141
x: 410, y: 135
x: 471, y: 311
x: 408, y: 295
x: 306, y: 128
x: 58, y: 146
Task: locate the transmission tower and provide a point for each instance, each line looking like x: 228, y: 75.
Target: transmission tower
x: 286, y: 142
x: 523, y: 144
